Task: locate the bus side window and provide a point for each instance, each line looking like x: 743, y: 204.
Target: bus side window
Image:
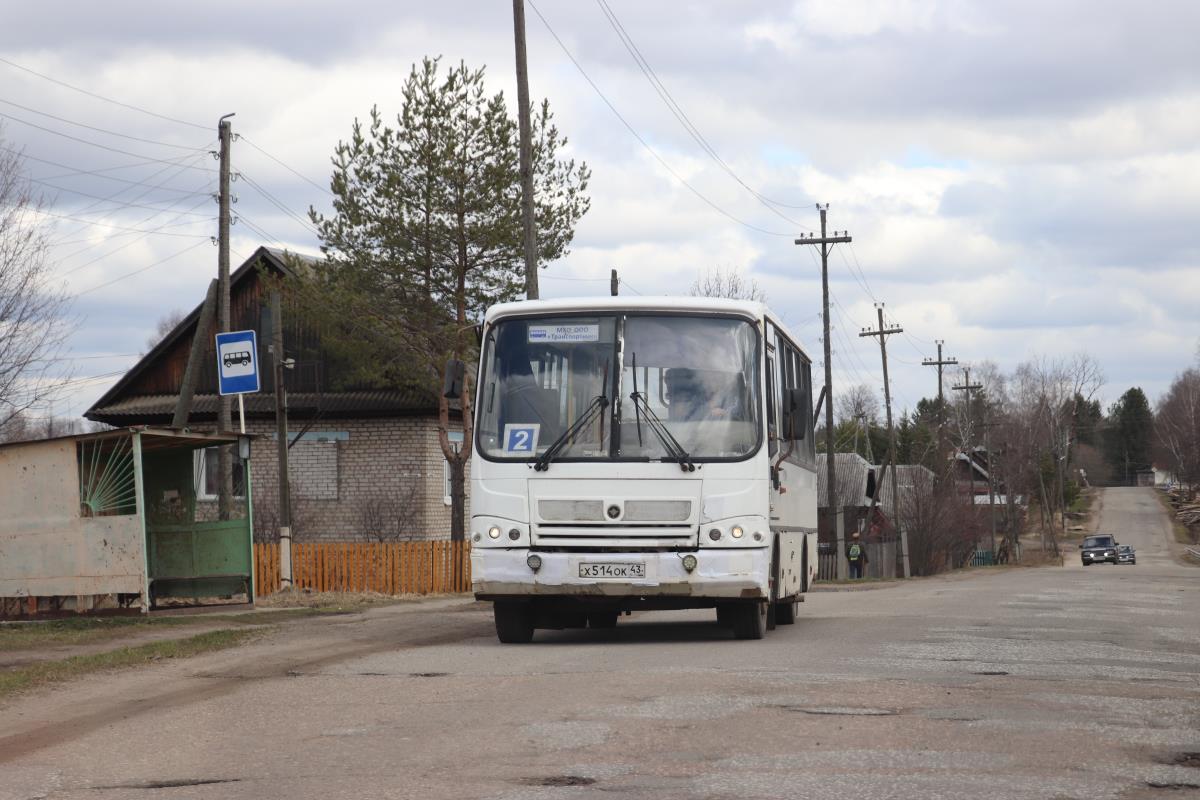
x: 772, y: 428
x: 810, y: 440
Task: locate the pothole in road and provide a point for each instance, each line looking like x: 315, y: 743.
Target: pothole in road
x: 840, y: 711
x: 1183, y: 759
x: 560, y: 780
x: 428, y: 674
x: 990, y: 672
x: 1174, y: 785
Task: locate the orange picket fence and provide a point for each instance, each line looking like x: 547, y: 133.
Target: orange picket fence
x: 429, y: 567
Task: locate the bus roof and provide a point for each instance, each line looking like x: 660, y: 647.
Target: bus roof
x: 567, y: 305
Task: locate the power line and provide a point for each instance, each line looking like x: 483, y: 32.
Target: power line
x: 94, y: 144
x: 98, y: 130
x: 134, y: 241
x: 249, y: 224
x: 149, y: 188
x: 102, y: 97
x: 139, y: 271
x: 682, y: 117
x: 285, y: 166
x: 279, y: 204
x: 93, y: 172
x: 569, y: 278
x: 642, y: 141
x: 109, y: 199
x: 119, y: 227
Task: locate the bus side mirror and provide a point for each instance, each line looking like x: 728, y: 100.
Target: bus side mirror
x: 452, y: 388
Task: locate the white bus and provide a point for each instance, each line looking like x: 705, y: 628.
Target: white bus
x: 641, y: 453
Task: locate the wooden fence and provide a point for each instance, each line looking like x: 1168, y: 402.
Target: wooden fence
x: 430, y: 567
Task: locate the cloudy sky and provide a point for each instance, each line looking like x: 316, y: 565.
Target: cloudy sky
x: 1020, y: 178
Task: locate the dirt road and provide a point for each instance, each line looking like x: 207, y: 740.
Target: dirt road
x: 1021, y: 683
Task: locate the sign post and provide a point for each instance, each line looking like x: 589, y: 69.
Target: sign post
x: 237, y: 367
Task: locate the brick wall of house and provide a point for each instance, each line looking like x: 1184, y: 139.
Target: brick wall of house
x: 370, y: 479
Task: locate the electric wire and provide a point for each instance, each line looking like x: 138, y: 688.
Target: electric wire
x: 149, y: 188
x: 98, y: 130
x: 681, y: 116
x: 102, y: 97
x: 285, y: 166
x: 120, y: 227
x: 98, y: 173
x: 279, y: 204
x: 90, y: 143
x: 106, y: 199
x: 141, y: 270
x: 703, y: 198
x: 135, y: 241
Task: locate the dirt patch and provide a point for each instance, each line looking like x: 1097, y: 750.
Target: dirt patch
x: 332, y: 601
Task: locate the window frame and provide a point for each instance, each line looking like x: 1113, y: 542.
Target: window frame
x: 200, y: 475
x: 621, y: 315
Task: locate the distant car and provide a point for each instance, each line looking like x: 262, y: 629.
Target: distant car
x: 1098, y: 548
x: 1125, y: 554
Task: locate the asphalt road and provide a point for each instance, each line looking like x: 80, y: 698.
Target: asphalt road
x: 1014, y: 683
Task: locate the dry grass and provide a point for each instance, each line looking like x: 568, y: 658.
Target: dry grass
x: 50, y: 672
x: 329, y: 602
x: 1182, y: 534
x: 82, y: 630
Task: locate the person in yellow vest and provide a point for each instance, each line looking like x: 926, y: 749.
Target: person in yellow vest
x: 856, y: 555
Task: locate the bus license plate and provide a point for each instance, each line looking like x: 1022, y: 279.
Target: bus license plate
x: 613, y: 570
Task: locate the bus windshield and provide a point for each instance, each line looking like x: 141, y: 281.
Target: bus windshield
x: 696, y: 379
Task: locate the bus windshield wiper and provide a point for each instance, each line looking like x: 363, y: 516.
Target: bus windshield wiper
x: 594, y: 408
x: 674, y: 449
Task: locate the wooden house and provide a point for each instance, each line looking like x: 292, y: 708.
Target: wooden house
x: 364, y: 462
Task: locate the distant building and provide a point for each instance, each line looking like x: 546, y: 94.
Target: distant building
x: 364, y: 462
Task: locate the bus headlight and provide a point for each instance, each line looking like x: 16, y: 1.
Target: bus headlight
x: 534, y: 562
x: 737, y: 532
x: 689, y: 562
x: 714, y: 534
x: 494, y: 532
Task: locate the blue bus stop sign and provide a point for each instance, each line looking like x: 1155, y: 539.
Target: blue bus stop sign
x: 237, y: 362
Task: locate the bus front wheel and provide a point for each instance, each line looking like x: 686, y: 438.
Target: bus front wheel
x: 749, y: 620
x: 514, y: 621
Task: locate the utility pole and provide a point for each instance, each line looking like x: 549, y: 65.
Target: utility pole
x: 939, y: 364
x: 884, y: 332
x: 987, y: 447
x: 832, y: 508
x: 614, y: 284
x: 527, y: 217
x: 969, y: 387
x: 281, y: 436
x: 941, y: 411
x: 225, y: 416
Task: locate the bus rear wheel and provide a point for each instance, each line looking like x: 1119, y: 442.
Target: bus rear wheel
x: 603, y: 619
x: 749, y: 620
x: 514, y: 621
x: 785, y: 612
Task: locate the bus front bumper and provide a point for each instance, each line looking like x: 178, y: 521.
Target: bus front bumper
x: 734, y: 573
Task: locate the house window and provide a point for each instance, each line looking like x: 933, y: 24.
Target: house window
x: 208, y: 475
x: 456, y: 439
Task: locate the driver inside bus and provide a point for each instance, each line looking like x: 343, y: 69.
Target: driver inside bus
x: 695, y: 398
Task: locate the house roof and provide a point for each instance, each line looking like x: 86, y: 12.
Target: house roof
x: 161, y: 407
x: 852, y: 476
x: 912, y: 480
x: 123, y: 405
